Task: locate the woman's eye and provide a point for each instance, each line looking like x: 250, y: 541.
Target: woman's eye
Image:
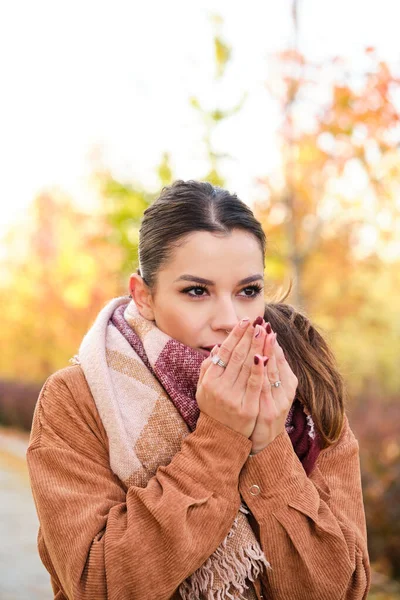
x: 252, y: 291
x: 198, y: 291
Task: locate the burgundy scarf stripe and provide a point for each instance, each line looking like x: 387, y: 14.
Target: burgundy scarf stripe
x: 178, y: 371
x: 123, y: 327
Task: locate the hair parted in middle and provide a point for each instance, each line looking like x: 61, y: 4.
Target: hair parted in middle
x: 186, y: 207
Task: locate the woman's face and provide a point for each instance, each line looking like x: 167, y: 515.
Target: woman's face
x: 210, y: 283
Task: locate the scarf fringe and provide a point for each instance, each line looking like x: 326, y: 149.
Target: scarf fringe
x: 244, y: 509
x: 232, y: 570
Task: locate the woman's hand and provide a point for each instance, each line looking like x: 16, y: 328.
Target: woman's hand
x: 275, y: 402
x: 231, y: 395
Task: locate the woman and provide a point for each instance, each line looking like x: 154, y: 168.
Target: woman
x: 199, y: 448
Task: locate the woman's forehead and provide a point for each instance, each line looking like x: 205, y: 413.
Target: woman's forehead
x: 201, y: 244
x: 209, y: 256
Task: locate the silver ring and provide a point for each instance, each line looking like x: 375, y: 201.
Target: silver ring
x: 276, y: 384
x: 217, y: 361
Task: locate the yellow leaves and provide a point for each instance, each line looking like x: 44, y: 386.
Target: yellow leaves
x: 194, y: 102
x: 65, y: 275
x: 214, y: 177
x: 164, y: 170
x: 78, y: 278
x: 77, y: 294
x: 222, y: 50
x: 276, y: 269
x: 342, y: 97
x: 309, y: 152
x: 222, y: 55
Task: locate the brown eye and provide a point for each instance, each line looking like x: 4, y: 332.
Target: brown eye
x: 196, y: 289
x: 254, y: 290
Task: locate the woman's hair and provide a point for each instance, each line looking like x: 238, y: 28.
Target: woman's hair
x: 188, y: 206
x: 185, y: 207
x: 321, y: 386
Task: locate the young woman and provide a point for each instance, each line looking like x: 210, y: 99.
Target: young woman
x: 199, y: 447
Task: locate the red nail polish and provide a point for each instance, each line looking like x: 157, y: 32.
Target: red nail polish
x: 265, y: 359
x: 256, y: 360
x: 268, y: 328
x: 258, y: 321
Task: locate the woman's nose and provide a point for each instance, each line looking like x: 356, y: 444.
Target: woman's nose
x: 225, y: 317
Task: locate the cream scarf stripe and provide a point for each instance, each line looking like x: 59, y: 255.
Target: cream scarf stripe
x: 93, y: 360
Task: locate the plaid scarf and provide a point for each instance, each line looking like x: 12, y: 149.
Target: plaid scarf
x: 144, y: 384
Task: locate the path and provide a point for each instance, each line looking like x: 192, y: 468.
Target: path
x: 23, y: 576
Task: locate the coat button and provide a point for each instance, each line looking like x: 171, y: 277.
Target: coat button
x: 254, y: 490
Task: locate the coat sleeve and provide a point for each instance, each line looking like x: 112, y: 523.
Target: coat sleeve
x: 102, y: 540
x: 312, y: 530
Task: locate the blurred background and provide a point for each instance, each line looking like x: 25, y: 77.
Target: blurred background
x: 293, y: 105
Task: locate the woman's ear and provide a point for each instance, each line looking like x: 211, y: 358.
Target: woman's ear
x: 141, y: 296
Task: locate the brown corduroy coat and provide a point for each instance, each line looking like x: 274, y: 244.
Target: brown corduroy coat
x: 100, y: 540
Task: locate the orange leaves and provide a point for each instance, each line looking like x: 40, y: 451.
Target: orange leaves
x: 291, y: 55
x: 334, y: 202
x: 342, y: 98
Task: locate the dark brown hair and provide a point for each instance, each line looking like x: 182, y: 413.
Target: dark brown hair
x: 188, y: 206
x: 321, y: 386
x: 184, y: 207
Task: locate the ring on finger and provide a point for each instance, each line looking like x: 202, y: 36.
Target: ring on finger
x: 276, y: 383
x: 218, y: 361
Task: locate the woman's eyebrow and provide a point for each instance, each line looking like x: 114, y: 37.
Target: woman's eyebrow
x: 249, y: 279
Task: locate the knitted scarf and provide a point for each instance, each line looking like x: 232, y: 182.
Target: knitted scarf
x: 144, y: 384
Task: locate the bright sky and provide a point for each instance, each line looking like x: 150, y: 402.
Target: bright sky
x: 76, y: 75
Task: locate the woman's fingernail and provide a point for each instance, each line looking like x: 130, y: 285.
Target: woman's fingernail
x: 257, y: 331
x: 268, y: 328
x: 243, y: 322
x: 265, y: 359
x: 256, y: 359
x: 258, y: 321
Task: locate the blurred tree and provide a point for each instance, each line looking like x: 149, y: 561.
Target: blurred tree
x: 214, y: 116
x: 58, y: 273
x: 339, y: 180
x: 332, y: 214
x: 123, y: 205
